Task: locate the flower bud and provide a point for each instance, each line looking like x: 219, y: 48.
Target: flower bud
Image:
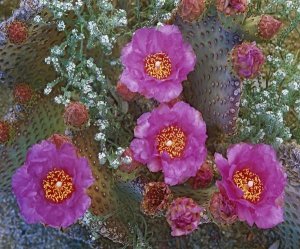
x: 124, y: 92
x: 247, y: 60
x: 191, y: 10
x: 23, y: 93
x: 184, y: 216
x: 76, y: 114
x: 268, y: 27
x: 17, y: 32
x: 157, y: 197
x: 222, y: 209
x: 203, y: 177
x: 232, y: 7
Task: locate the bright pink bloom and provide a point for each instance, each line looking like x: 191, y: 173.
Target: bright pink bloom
x: 51, y: 185
x: 171, y: 139
x: 191, y: 10
x: 247, y: 60
x: 156, y: 62
x: 184, y: 216
x: 232, y: 7
x: 254, y: 180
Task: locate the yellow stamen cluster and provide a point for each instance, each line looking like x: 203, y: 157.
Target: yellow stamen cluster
x: 171, y: 140
x: 249, y: 183
x: 158, y: 65
x: 58, y: 186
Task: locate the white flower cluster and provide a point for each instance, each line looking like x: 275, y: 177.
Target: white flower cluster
x: 265, y: 106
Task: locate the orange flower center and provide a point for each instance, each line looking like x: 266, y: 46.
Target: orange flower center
x: 171, y: 140
x: 158, y: 65
x: 249, y: 183
x: 58, y: 186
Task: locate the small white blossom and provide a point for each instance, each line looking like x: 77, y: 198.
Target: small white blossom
x: 47, y: 90
x: 38, y: 19
x: 102, y: 158
x: 100, y: 137
x: 61, y: 26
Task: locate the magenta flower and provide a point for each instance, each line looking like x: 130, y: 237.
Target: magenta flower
x: 50, y: 187
x: 247, y: 60
x: 254, y: 180
x: 156, y: 62
x: 184, y: 216
x: 171, y: 139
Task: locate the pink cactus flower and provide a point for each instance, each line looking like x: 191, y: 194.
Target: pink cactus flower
x: 172, y: 140
x: 254, y: 180
x: 156, y: 62
x: 50, y: 187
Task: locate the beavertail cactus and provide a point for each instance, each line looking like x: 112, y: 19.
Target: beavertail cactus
x: 212, y: 88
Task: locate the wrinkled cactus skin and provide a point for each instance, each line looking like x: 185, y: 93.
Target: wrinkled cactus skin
x: 212, y: 87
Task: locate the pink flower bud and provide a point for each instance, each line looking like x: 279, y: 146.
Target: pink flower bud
x: 268, y: 27
x: 76, y: 114
x: 59, y: 140
x: 23, y: 93
x: 157, y: 197
x: 247, y: 60
x: 17, y: 32
x: 203, y: 177
x: 232, y: 7
x: 222, y: 209
x: 124, y: 92
x: 184, y: 216
x: 191, y: 10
